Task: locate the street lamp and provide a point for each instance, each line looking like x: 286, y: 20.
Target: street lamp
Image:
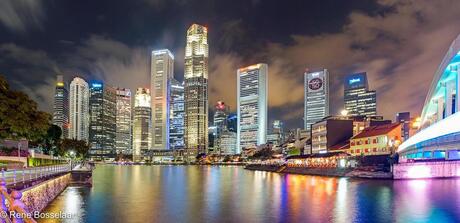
x: 344, y: 112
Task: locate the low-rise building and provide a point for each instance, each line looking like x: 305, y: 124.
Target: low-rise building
x: 376, y: 140
x: 330, y: 132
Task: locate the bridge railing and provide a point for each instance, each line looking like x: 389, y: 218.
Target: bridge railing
x: 13, y: 177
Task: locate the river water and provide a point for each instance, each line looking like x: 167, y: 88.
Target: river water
x: 232, y: 194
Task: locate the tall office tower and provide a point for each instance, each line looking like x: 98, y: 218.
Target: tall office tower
x: 123, y: 139
x: 252, y: 91
x: 79, y: 109
x: 316, y: 89
x: 141, y: 123
x: 61, y: 106
x: 102, y: 122
x: 278, y: 129
x: 162, y: 69
x: 220, y: 117
x: 196, y: 88
x: 357, y: 97
x: 404, y: 119
x: 176, y: 123
x: 232, y: 122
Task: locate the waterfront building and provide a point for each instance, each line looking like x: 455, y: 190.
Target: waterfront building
x: 227, y: 143
x: 162, y: 72
x: 196, y: 88
x: 330, y: 132
x: 102, y: 123
x: 316, y: 89
x: 252, y: 90
x: 61, y: 106
x: 358, y: 99
x: 79, y: 109
x: 376, y: 140
x: 123, y: 139
x: 141, y: 123
x: 404, y: 119
x: 439, y: 133
x: 176, y: 123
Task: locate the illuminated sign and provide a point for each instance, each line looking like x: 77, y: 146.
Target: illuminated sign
x: 96, y: 85
x: 354, y: 80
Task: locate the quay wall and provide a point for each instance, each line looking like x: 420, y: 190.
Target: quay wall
x: 37, y: 197
x: 418, y: 170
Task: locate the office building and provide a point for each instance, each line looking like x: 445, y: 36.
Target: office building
x: 162, y: 71
x: 141, y: 123
x: 232, y: 122
x: 102, y: 123
x: 61, y: 106
x: 252, y: 90
x: 316, y: 89
x: 404, y: 119
x: 176, y: 123
x: 123, y: 139
x: 227, y: 143
x: 358, y: 99
x: 196, y: 88
x: 79, y: 109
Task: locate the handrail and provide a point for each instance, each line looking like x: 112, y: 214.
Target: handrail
x: 14, y: 204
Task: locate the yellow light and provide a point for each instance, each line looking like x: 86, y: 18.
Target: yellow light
x: 60, y: 84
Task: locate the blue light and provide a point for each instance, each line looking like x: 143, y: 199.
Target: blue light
x: 354, y: 80
x: 96, y: 85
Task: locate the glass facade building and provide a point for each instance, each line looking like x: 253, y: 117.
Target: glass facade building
x: 61, y: 106
x: 252, y: 90
x: 162, y: 72
x: 123, y: 139
x: 176, y: 123
x: 141, y: 123
x: 196, y: 88
x: 358, y: 99
x: 316, y: 89
x: 79, y: 109
x: 102, y: 124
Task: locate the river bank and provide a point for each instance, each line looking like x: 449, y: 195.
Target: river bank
x: 330, y: 172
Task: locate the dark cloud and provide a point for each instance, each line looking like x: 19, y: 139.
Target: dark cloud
x: 20, y: 15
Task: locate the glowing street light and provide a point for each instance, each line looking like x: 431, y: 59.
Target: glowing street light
x: 344, y: 112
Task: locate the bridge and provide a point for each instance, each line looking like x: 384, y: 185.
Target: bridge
x: 26, y: 192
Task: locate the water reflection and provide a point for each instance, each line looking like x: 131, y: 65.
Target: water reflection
x: 232, y: 194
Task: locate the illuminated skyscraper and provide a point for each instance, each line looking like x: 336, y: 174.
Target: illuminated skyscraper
x: 176, y: 124
x: 102, y: 122
x: 79, y: 109
x: 162, y: 69
x: 357, y: 97
x: 196, y: 88
x: 220, y: 117
x: 316, y: 104
x: 61, y: 106
x: 252, y: 93
x: 123, y: 140
x: 141, y: 123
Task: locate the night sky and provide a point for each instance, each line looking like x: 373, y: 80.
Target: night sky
x: 398, y: 43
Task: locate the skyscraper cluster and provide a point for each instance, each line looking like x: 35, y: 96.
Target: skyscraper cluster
x: 174, y: 115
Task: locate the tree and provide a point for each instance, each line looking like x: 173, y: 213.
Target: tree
x: 52, y: 139
x: 19, y: 115
x: 80, y: 147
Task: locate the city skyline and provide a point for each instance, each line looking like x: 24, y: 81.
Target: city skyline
x: 98, y: 53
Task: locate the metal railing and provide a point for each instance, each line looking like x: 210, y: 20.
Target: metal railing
x: 12, y: 209
x: 13, y: 177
